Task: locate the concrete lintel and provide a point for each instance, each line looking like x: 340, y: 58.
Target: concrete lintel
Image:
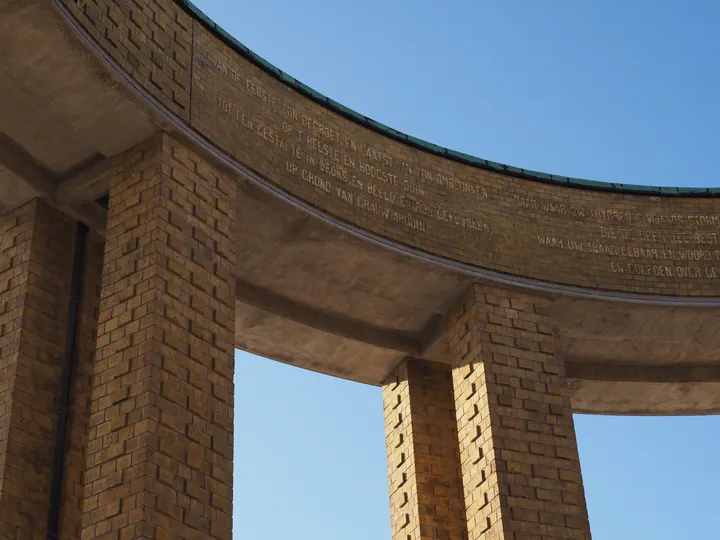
x: 75, y: 196
x: 24, y: 166
x: 643, y: 373
x: 327, y: 322
x: 86, y: 186
x: 93, y: 215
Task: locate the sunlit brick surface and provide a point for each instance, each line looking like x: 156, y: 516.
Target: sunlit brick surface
x: 422, y: 453
x: 520, y: 465
x: 36, y: 258
x: 160, y: 451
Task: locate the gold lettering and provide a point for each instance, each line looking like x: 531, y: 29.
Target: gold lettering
x: 316, y: 181
x: 323, y: 149
x: 344, y: 195
x: 334, y: 170
x: 462, y: 221
x: 355, y: 182
x: 693, y: 220
x: 409, y: 221
x: 525, y: 202
x: 602, y: 214
x: 687, y: 271
x: 412, y: 187
x: 706, y: 238
x: 459, y: 185
x: 256, y: 90
x: 379, y: 174
x: 377, y: 156
x: 370, y: 206
x: 637, y: 269
x: 416, y: 206
x: 380, y: 193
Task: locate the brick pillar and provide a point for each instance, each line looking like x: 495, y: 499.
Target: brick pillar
x: 37, y: 248
x: 520, y: 464
x: 160, y: 450
x: 422, y: 453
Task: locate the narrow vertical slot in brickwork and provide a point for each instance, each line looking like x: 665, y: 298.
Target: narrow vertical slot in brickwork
x: 79, y: 412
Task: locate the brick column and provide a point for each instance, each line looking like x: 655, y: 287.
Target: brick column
x: 160, y: 450
x: 520, y: 465
x: 422, y: 452
x: 37, y: 252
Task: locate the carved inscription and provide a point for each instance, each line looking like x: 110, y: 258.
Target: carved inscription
x: 354, y: 173
x: 488, y: 220
x: 649, y: 246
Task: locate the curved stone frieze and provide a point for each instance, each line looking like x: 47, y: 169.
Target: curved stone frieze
x: 627, y: 239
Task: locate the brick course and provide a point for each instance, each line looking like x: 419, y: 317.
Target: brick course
x: 520, y: 464
x: 150, y: 40
x: 160, y: 450
x: 422, y: 453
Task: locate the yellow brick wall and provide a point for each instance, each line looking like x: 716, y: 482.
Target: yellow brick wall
x: 36, y: 259
x: 160, y: 450
x: 520, y: 464
x: 149, y: 40
x: 422, y: 453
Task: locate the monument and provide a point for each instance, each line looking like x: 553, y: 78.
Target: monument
x: 168, y: 196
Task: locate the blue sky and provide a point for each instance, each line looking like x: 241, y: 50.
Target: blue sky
x: 621, y: 91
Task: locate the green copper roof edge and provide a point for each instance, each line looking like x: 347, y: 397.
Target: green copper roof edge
x: 421, y: 144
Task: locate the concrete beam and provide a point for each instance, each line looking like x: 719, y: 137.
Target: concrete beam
x: 643, y: 373
x: 93, y: 215
x: 16, y: 159
x: 327, y: 322
x: 86, y: 186
x: 74, y: 194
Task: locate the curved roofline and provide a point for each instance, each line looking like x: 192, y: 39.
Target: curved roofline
x: 426, y: 146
